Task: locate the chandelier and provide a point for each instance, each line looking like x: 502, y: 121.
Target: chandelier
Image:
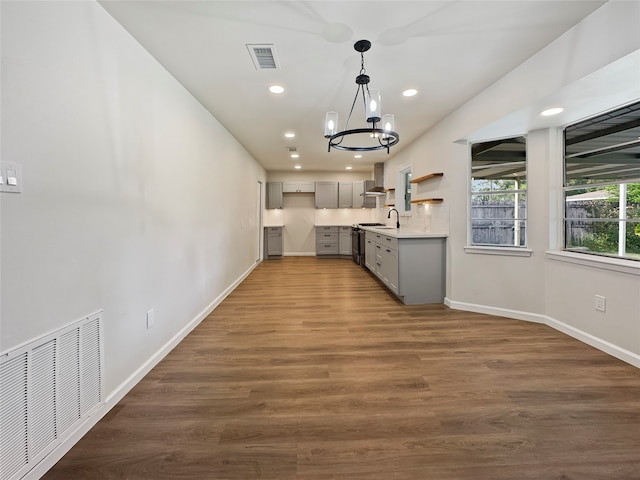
x: 379, y: 135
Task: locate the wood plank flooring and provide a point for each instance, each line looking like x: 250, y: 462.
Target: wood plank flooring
x: 310, y: 370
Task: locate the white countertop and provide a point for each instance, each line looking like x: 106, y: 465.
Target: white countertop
x: 404, y: 232
x: 333, y: 224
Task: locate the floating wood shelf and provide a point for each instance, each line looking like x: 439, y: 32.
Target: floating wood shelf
x: 389, y: 204
x: 427, y: 200
x: 389, y: 189
x: 426, y: 177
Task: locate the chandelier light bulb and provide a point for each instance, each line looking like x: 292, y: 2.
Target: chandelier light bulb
x: 373, y: 107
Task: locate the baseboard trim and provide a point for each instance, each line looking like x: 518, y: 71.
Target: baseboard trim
x: 299, y: 254
x: 596, y: 342
x: 114, y: 397
x: 499, y: 312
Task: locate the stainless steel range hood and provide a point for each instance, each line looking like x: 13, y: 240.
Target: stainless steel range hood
x: 378, y: 181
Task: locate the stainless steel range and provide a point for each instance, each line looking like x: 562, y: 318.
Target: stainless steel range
x: 358, y: 241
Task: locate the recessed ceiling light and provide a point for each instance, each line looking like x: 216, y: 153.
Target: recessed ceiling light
x: 552, y: 111
x: 409, y: 92
x: 277, y: 89
x: 348, y: 168
x: 298, y: 167
x: 357, y: 156
x: 295, y: 155
x: 290, y: 135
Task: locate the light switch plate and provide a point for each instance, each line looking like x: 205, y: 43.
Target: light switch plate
x: 11, y: 173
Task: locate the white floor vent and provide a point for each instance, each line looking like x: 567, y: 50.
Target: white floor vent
x: 46, y: 388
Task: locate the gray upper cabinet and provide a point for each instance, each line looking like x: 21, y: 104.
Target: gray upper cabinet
x: 274, y: 194
x: 345, y: 195
x: 299, y: 187
x: 326, y: 194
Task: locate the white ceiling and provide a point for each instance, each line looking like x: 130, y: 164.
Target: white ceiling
x: 448, y: 50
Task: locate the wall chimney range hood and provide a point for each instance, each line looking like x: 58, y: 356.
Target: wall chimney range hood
x: 378, y: 181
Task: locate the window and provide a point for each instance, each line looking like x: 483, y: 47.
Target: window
x: 602, y: 184
x: 403, y: 191
x: 499, y: 193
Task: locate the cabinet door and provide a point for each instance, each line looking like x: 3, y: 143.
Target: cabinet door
x: 390, y: 268
x: 370, y: 255
x: 358, y: 197
x: 306, y: 187
x: 289, y: 187
x: 274, y: 241
x: 345, y: 195
x: 345, y: 241
x: 274, y: 194
x: 326, y: 194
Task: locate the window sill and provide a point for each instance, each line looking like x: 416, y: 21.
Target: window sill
x: 621, y: 265
x: 505, y: 251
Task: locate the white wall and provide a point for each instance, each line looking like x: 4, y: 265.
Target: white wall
x: 535, y: 287
x: 135, y: 197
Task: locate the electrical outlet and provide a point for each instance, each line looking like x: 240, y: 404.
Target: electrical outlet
x: 600, y: 303
x: 150, y: 318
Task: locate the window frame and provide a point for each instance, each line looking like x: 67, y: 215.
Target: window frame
x: 402, y: 185
x: 510, y: 249
x: 622, y: 221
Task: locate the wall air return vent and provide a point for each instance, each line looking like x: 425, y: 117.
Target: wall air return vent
x: 47, y: 387
x: 263, y: 56
x: 292, y: 149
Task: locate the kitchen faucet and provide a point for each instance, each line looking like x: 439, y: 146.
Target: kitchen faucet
x: 397, y: 217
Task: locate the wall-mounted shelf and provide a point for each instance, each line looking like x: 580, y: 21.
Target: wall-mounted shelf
x: 426, y: 177
x: 389, y: 189
x: 389, y: 204
x: 427, y: 201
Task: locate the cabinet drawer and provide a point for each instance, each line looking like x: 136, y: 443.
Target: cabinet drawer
x: 326, y: 230
x: 327, y: 249
x: 327, y: 237
x: 389, y: 242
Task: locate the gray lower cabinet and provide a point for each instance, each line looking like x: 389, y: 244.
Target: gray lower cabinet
x: 333, y: 240
x: 274, y: 195
x: 327, y: 241
x: 412, y: 268
x: 272, y: 242
x: 345, y: 241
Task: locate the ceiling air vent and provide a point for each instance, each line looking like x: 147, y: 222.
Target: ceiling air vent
x: 292, y: 149
x: 263, y: 56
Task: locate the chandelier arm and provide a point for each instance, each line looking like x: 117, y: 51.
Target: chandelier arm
x: 353, y: 105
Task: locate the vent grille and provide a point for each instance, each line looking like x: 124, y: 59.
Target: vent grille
x: 46, y: 387
x: 292, y: 149
x: 263, y: 56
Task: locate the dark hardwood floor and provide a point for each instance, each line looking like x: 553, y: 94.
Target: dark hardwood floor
x: 311, y: 370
